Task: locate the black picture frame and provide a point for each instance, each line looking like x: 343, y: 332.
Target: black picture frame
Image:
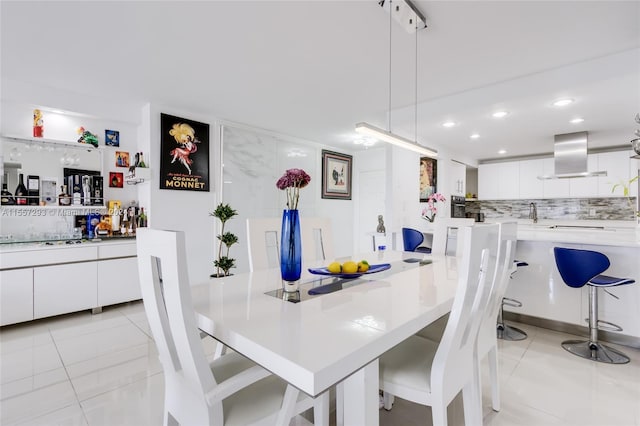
x: 428, y: 183
x: 336, y: 175
x: 184, y: 147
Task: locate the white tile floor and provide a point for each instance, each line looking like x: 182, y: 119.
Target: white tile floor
x: 84, y: 369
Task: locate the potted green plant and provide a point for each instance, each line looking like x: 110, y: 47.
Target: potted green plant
x: 224, y: 212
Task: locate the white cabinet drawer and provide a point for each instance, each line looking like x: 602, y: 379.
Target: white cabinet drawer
x: 108, y: 251
x: 16, y: 296
x: 118, y: 281
x: 64, y: 288
x: 21, y: 259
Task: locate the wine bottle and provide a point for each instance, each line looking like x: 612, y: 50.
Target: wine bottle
x: 142, y: 218
x: 7, y: 197
x: 33, y: 190
x: 21, y: 192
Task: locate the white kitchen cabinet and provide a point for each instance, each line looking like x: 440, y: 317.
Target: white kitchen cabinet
x: 118, y: 281
x: 530, y: 185
x: 585, y: 187
x: 458, y: 178
x: 617, y: 165
x: 499, y: 181
x: 488, y: 181
x: 16, y: 296
x: 553, y: 188
x: 64, y: 288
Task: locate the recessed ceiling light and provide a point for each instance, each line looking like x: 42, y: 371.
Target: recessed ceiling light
x: 502, y: 151
x: 364, y: 141
x: 474, y: 136
x: 576, y: 120
x: 500, y: 114
x: 448, y: 124
x: 562, y: 102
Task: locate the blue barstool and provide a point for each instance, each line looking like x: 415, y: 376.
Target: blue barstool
x: 583, y: 267
x: 412, y: 238
x: 507, y: 332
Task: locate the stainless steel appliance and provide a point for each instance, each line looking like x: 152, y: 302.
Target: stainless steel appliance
x: 457, y: 206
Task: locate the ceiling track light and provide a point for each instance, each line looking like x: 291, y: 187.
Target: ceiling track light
x: 412, y: 22
x: 383, y: 135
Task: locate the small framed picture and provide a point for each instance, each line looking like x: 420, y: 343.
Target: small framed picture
x: 122, y: 159
x: 428, y: 178
x: 112, y: 138
x: 336, y: 175
x: 116, y: 180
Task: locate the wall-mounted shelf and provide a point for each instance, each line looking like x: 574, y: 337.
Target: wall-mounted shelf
x: 140, y: 175
x: 48, y: 210
x: 50, y: 142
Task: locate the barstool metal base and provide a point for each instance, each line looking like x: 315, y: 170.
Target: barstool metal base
x: 506, y: 332
x: 595, y: 351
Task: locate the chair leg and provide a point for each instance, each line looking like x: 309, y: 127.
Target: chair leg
x: 387, y: 399
x: 439, y: 413
x: 593, y: 349
x: 321, y: 410
x: 493, y: 378
x: 340, y: 404
x: 472, y: 401
x: 506, y: 332
x: 288, y: 406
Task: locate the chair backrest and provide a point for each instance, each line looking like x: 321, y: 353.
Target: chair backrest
x: 443, y: 228
x: 508, y: 236
x: 263, y: 242
x: 166, y: 293
x: 577, y: 267
x: 317, y: 238
x: 454, y: 362
x: 411, y: 238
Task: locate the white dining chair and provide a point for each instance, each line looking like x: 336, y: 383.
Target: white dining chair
x: 317, y: 238
x: 263, y: 241
x: 487, y: 336
x: 231, y: 390
x: 433, y: 373
x: 442, y: 229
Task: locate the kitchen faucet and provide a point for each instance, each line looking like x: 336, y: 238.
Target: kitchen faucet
x: 533, y: 212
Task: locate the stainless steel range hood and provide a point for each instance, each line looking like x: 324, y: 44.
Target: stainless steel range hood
x: 570, y: 155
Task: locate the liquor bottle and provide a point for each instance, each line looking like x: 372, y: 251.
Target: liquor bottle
x: 7, y: 197
x: 76, y: 190
x: 96, y: 190
x: 33, y: 190
x: 142, y: 218
x: 86, y: 190
x: 21, y: 192
x: 141, y: 163
x: 64, y: 199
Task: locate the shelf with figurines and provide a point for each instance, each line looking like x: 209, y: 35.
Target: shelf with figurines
x: 139, y: 172
x: 83, y: 143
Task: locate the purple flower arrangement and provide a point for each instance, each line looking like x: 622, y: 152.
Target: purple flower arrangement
x: 292, y: 181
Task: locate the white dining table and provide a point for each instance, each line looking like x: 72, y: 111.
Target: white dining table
x: 329, y: 338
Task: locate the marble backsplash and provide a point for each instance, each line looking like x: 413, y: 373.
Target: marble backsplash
x: 558, y: 208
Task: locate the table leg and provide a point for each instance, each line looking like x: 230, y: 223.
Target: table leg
x: 361, y: 396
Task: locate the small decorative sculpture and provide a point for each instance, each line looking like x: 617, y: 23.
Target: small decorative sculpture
x: 380, y: 229
x: 87, y: 137
x: 38, y: 124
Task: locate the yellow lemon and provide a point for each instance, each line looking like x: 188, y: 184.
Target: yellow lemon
x: 349, y: 267
x: 334, y: 267
x: 363, y: 266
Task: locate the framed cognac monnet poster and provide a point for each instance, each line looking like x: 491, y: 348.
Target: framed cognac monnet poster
x: 184, y: 147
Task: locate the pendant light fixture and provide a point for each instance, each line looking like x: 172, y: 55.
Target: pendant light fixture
x: 411, y: 20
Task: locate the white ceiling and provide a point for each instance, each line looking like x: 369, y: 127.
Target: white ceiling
x: 312, y: 69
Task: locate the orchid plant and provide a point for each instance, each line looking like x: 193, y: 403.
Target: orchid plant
x: 291, y: 182
x: 429, y: 212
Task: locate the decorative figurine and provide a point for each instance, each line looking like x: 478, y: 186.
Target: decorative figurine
x: 38, y: 124
x: 380, y: 229
x: 87, y: 137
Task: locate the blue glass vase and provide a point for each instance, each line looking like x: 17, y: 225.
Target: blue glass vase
x: 290, y: 250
